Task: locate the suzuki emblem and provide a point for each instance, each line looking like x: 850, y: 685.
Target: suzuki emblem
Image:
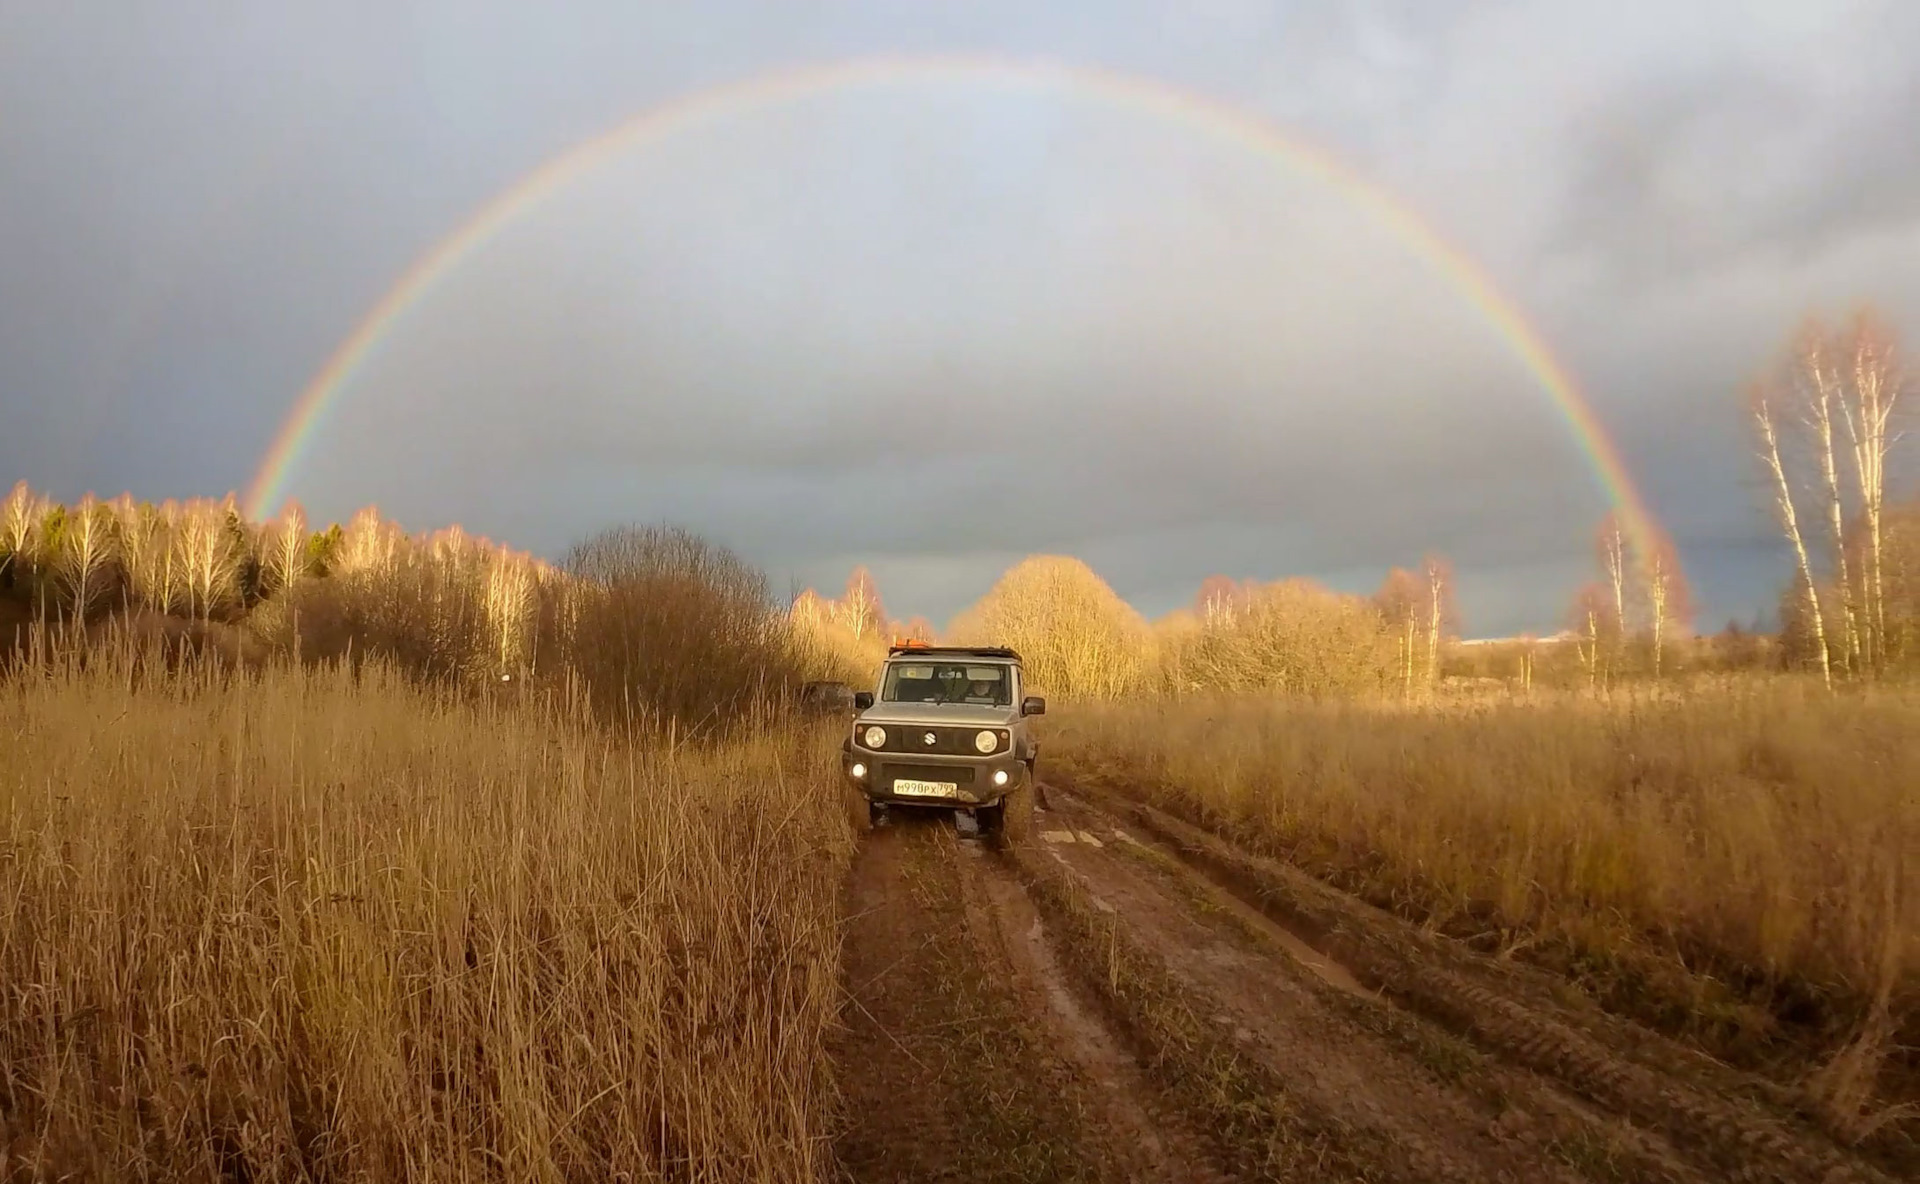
x: 929, y: 737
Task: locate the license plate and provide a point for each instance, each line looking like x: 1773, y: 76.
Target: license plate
x: 925, y: 789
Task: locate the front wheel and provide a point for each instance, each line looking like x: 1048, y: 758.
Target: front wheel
x: 860, y: 810
x: 1016, y: 813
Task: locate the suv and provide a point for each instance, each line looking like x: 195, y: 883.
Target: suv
x: 947, y: 728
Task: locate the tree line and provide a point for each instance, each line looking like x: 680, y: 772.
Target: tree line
x: 653, y: 626
x: 1079, y: 638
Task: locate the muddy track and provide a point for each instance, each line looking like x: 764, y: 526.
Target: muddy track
x: 1125, y: 998
x: 966, y: 1053
x: 1671, y: 1103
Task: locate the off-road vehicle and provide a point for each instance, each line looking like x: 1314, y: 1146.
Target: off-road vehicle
x: 947, y: 727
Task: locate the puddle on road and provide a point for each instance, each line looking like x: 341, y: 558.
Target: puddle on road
x: 1072, y: 836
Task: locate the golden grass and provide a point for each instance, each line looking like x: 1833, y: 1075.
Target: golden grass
x: 1762, y: 832
x: 311, y: 925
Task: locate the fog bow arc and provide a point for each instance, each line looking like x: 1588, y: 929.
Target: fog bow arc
x: 1199, y: 114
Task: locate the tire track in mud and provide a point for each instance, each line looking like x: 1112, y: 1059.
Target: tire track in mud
x: 1358, y: 1106
x: 1658, y: 1112
x: 964, y: 1054
x: 1119, y: 1003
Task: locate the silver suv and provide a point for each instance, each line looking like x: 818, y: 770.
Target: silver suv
x: 948, y: 727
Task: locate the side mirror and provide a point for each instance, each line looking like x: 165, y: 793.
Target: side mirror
x: 862, y: 700
x: 1033, y: 705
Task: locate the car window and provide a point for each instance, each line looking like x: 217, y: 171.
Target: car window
x: 948, y: 682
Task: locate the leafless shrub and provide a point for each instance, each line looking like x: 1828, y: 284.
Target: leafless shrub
x: 671, y: 628
x: 1288, y: 638
x: 1076, y: 637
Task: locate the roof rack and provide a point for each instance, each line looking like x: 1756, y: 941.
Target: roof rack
x: 974, y: 651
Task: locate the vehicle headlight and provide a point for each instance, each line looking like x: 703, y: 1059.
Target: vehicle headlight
x: 875, y: 737
x: 986, y: 741
x: 859, y: 770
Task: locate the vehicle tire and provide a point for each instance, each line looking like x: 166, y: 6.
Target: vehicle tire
x: 1039, y: 790
x: 1016, y: 813
x: 988, y: 818
x: 859, y: 810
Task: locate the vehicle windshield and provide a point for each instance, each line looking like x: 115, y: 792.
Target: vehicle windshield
x: 987, y: 684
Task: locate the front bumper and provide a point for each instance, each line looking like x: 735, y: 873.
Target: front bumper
x: 973, y: 775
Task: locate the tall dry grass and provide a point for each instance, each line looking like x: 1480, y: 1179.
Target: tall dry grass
x: 326, y: 925
x: 1763, y: 833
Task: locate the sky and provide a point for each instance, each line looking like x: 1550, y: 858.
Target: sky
x: 937, y: 321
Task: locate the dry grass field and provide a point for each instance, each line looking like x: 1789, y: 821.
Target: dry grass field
x: 358, y: 855
x: 326, y: 925
x: 1738, y: 861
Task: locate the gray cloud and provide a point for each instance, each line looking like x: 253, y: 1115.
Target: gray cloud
x: 1695, y: 170
x: 931, y: 328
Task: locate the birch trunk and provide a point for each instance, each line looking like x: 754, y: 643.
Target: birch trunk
x: 1790, y: 524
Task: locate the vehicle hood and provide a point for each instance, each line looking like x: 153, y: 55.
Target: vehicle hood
x: 958, y: 715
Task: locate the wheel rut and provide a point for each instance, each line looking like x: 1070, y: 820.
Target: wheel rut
x: 1102, y: 1004
x: 1397, y: 1116
x: 1602, y: 1098
x: 966, y: 1053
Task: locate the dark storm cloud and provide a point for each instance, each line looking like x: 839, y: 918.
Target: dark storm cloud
x: 1696, y: 169
x: 1165, y: 355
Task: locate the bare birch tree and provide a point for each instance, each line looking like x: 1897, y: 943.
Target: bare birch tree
x: 207, y: 557
x: 1877, y: 380
x: 1214, y: 604
x: 368, y: 544
x: 1398, y: 602
x: 285, y: 550
x: 860, y: 610
x: 1668, y: 602
x: 20, y: 515
x: 810, y: 609
x: 86, y: 554
x: 134, y: 523
x: 168, y: 561
x: 1760, y: 406
x: 1439, y: 609
x: 509, y: 606
x: 1617, y: 565
x: 1590, y: 607
x: 1822, y: 400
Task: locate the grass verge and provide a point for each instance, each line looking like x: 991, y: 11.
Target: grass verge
x: 1019, y: 1111
x: 323, y: 925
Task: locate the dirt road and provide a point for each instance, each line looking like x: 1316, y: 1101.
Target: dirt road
x: 1126, y: 998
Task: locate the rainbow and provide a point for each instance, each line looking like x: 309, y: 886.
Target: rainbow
x: 1148, y: 97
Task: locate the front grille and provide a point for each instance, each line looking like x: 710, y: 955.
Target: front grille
x: 957, y: 774
x: 947, y: 741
